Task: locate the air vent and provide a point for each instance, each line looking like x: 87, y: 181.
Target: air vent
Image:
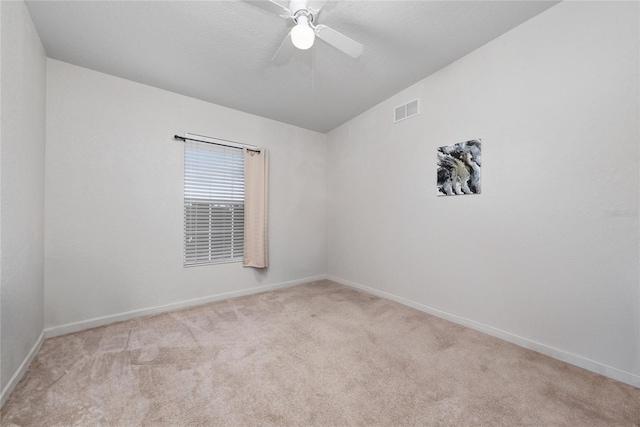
x: 407, y: 110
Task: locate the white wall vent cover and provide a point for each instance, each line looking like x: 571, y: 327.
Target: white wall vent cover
x: 406, y: 110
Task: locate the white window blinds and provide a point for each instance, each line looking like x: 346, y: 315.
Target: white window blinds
x: 213, y: 203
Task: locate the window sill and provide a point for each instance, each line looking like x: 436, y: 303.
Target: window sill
x: 226, y: 261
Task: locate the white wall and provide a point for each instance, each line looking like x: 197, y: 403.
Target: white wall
x: 537, y: 255
x: 22, y: 135
x: 535, y: 258
x: 114, y: 195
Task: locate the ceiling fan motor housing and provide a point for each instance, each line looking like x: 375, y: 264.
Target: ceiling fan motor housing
x: 298, y: 10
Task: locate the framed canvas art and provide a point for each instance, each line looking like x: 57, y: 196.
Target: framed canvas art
x: 459, y: 168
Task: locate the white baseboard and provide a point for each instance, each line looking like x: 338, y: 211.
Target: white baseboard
x: 105, y: 320
x: 591, y: 365
x: 573, y: 359
x: 15, y: 379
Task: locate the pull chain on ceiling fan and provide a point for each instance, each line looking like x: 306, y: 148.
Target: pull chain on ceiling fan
x: 303, y: 13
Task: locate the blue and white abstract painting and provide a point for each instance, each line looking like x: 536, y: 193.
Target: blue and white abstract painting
x: 459, y: 168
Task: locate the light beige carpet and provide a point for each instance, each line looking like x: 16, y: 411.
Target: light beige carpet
x: 318, y: 354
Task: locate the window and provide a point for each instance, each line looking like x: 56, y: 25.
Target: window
x: 213, y: 204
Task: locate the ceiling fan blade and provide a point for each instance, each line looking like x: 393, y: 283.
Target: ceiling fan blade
x: 284, y: 51
x: 339, y: 41
x: 315, y: 6
x: 271, y: 6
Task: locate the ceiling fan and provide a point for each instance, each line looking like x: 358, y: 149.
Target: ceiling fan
x: 303, y: 13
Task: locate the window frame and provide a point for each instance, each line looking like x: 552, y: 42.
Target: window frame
x: 195, y: 259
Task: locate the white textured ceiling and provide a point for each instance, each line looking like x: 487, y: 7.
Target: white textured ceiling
x: 220, y: 51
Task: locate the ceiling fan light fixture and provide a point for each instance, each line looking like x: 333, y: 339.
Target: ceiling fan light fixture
x: 302, y: 35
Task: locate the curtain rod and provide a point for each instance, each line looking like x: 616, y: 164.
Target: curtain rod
x: 184, y: 138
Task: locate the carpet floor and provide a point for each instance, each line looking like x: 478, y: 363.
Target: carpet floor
x: 319, y: 354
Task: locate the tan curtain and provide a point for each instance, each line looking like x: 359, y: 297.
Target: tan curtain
x: 256, y: 174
